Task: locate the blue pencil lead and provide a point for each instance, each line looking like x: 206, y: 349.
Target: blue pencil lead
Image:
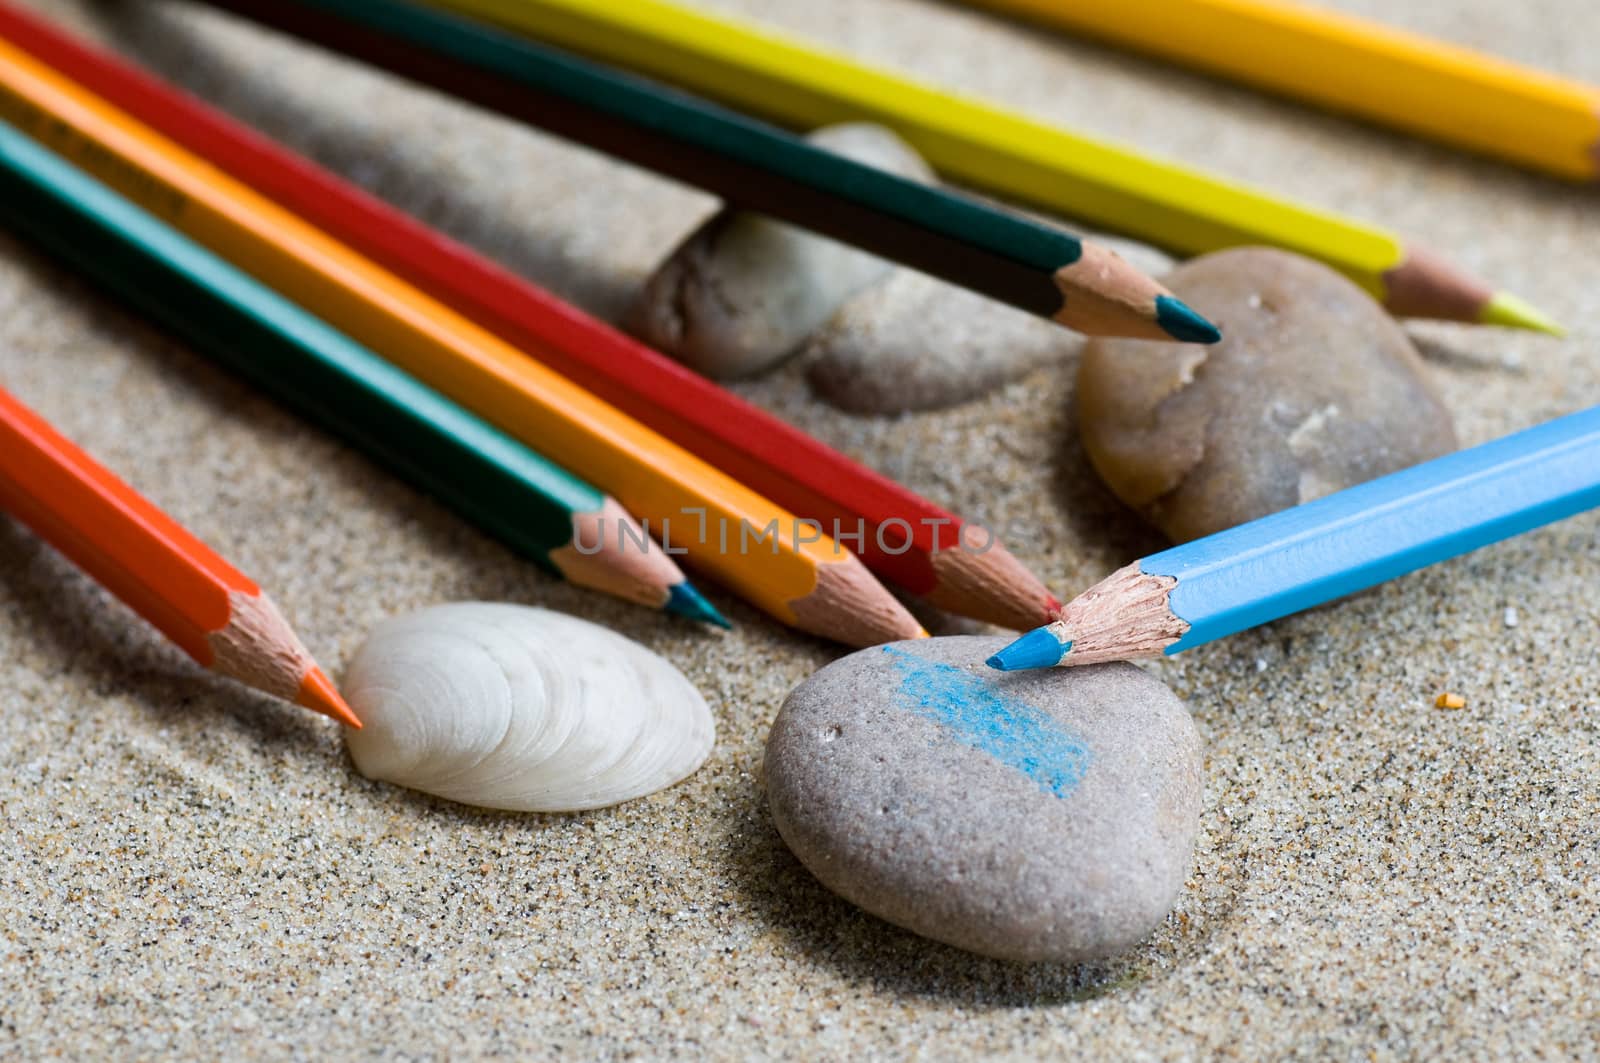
x: 1037, y: 649
x: 684, y: 600
x: 1182, y: 323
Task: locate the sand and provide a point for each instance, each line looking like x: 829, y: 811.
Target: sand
x: 190, y: 869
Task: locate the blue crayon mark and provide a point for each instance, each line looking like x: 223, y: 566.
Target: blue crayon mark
x: 980, y: 716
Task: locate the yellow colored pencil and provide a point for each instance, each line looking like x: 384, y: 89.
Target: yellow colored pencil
x: 1387, y: 75
x: 1186, y: 210
x: 754, y: 547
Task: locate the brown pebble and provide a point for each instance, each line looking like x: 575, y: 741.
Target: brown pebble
x: 1313, y: 389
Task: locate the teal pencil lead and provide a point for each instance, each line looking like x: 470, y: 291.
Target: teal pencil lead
x: 1037, y: 649
x: 684, y: 600
x: 1182, y: 323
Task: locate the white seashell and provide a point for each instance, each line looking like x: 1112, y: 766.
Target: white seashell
x: 508, y: 706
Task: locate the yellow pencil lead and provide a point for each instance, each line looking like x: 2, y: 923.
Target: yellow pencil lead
x: 1513, y: 311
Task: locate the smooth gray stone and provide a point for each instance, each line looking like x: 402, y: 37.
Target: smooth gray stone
x: 917, y: 343
x: 743, y: 291
x: 1036, y: 816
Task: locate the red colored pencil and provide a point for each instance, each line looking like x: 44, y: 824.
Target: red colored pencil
x: 211, y: 610
x: 904, y: 537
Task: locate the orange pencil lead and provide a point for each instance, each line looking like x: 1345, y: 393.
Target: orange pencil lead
x: 318, y: 694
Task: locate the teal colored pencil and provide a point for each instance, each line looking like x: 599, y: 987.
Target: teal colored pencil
x: 1325, y: 549
x: 538, y: 509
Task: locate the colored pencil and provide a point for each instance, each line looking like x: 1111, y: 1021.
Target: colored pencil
x: 1185, y: 210
x: 1394, y: 77
x: 211, y: 610
x: 757, y: 549
x: 756, y: 448
x: 533, y: 506
x: 1325, y: 549
x: 1031, y: 265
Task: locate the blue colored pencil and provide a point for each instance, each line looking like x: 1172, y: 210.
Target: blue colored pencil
x: 566, y: 525
x: 1325, y: 549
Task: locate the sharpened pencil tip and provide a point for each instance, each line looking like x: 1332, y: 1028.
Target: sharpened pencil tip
x: 318, y: 694
x: 1037, y: 649
x: 1512, y: 311
x: 684, y: 600
x: 1182, y: 323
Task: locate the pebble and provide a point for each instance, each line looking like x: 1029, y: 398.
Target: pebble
x: 1312, y: 389
x: 744, y: 291
x: 918, y: 343
x: 1033, y: 816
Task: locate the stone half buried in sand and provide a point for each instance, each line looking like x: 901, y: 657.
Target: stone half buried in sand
x: 916, y: 342
x: 507, y: 706
x: 1039, y: 817
x: 743, y: 291
x: 1313, y: 389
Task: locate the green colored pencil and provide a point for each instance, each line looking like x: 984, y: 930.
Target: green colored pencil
x: 1033, y: 266
x: 537, y: 508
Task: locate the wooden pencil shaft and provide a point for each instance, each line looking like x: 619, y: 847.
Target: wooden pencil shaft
x: 1192, y: 212
x: 154, y: 565
x: 983, y: 248
x: 656, y: 480
x: 1404, y: 80
x: 487, y: 477
x: 754, y: 447
x: 1381, y: 529
x: 186, y: 628
x: 144, y: 557
x: 1323, y: 550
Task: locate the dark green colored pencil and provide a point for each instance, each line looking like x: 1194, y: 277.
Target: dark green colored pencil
x: 538, y: 509
x: 760, y: 167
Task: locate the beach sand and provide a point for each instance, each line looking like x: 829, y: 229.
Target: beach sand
x: 190, y: 869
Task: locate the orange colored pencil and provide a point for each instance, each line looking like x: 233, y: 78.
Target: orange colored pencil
x: 209, y: 608
x: 765, y: 553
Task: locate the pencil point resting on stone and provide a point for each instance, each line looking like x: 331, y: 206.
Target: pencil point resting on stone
x: 1044, y: 818
x: 1313, y: 388
x: 744, y: 290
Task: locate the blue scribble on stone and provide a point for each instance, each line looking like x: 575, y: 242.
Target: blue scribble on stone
x: 983, y: 718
